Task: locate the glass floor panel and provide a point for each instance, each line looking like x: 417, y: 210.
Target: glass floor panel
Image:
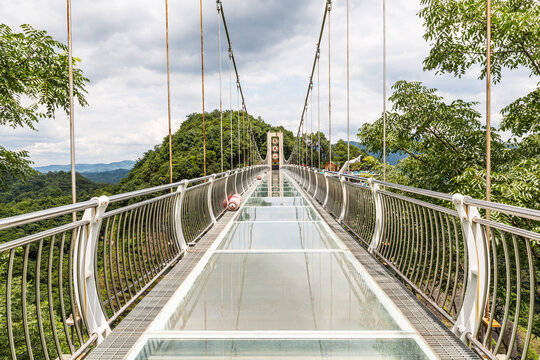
x: 278, y: 284
x: 276, y: 193
x: 282, y: 213
x: 266, y: 235
x: 276, y: 201
x: 304, y: 349
x: 280, y: 291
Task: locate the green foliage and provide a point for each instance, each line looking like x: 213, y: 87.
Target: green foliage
x: 34, y: 83
x: 14, y: 163
x: 442, y: 139
x: 456, y: 31
x: 339, y: 152
x: 187, y: 149
x: 523, y: 115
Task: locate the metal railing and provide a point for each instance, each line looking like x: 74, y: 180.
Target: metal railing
x: 65, y: 287
x: 480, y: 276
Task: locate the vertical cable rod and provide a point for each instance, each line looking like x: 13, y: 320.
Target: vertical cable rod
x: 168, y: 90
x: 488, y: 105
x: 218, y: 3
x: 348, y: 92
x: 329, y: 90
x: 202, y: 88
x: 231, y: 108
x: 319, y: 106
x: 384, y: 90
x: 327, y: 7
x: 311, y: 122
x: 238, y: 120
x: 233, y: 59
x: 71, y: 114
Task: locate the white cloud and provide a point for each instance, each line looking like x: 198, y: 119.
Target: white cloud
x: 122, y: 44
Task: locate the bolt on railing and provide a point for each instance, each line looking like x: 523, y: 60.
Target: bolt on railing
x: 479, y: 275
x: 67, y: 286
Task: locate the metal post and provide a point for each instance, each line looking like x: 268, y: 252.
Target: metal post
x: 316, y: 184
x: 182, y: 243
x: 344, y: 202
x: 326, y: 196
x: 379, y: 217
x: 478, y: 276
x: 209, y: 199
x: 87, y: 296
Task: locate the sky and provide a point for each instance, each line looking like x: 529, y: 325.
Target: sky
x: 122, y: 47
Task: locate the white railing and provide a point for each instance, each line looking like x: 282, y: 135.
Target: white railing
x: 65, y: 287
x: 479, y: 275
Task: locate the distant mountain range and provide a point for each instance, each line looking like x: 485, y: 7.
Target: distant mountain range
x: 391, y: 158
x: 88, y: 168
x: 99, y: 173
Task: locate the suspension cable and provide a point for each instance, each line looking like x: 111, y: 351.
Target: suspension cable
x: 233, y: 59
x: 218, y: 4
x: 329, y: 90
x: 348, y: 93
x: 311, y: 123
x: 71, y: 113
x: 319, y: 106
x: 384, y: 90
x: 231, y: 108
x: 202, y: 87
x: 327, y: 8
x: 168, y: 89
x: 488, y: 105
x: 238, y: 119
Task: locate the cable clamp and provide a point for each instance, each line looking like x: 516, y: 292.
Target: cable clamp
x: 329, y: 5
x: 218, y: 5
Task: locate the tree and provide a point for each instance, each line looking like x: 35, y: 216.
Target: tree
x: 187, y: 143
x: 33, y: 85
x: 456, y: 30
x: 339, y: 152
x: 442, y: 139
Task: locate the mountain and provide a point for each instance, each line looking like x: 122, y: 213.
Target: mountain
x: 106, y: 177
x: 88, y: 168
x: 391, y: 158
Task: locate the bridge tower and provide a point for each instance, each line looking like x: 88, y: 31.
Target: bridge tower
x: 274, y: 150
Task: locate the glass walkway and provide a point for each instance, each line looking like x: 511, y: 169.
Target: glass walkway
x: 279, y: 284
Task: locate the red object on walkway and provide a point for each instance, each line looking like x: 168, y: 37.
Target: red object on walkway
x: 234, y: 202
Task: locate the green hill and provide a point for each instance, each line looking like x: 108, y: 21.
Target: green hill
x: 187, y: 148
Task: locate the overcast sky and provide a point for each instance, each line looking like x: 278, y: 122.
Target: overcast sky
x: 122, y: 45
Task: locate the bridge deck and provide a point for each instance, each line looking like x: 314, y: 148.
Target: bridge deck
x: 280, y: 279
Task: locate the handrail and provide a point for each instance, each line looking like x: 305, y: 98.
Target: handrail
x: 478, y: 275
x: 40, y: 215
x: 91, y: 271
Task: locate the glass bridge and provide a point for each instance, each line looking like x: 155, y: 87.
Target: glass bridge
x: 278, y: 283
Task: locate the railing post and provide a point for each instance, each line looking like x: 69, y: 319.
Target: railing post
x: 316, y: 183
x: 87, y: 296
x: 234, y: 181
x: 326, y: 196
x: 178, y: 216
x: 227, y: 178
x: 478, y: 275
x: 379, y: 216
x: 308, y: 180
x: 209, y: 200
x: 344, y: 202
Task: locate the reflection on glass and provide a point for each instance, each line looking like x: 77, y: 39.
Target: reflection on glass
x: 280, y: 291
x: 266, y: 213
x: 259, y: 349
x: 265, y: 235
x: 276, y: 201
